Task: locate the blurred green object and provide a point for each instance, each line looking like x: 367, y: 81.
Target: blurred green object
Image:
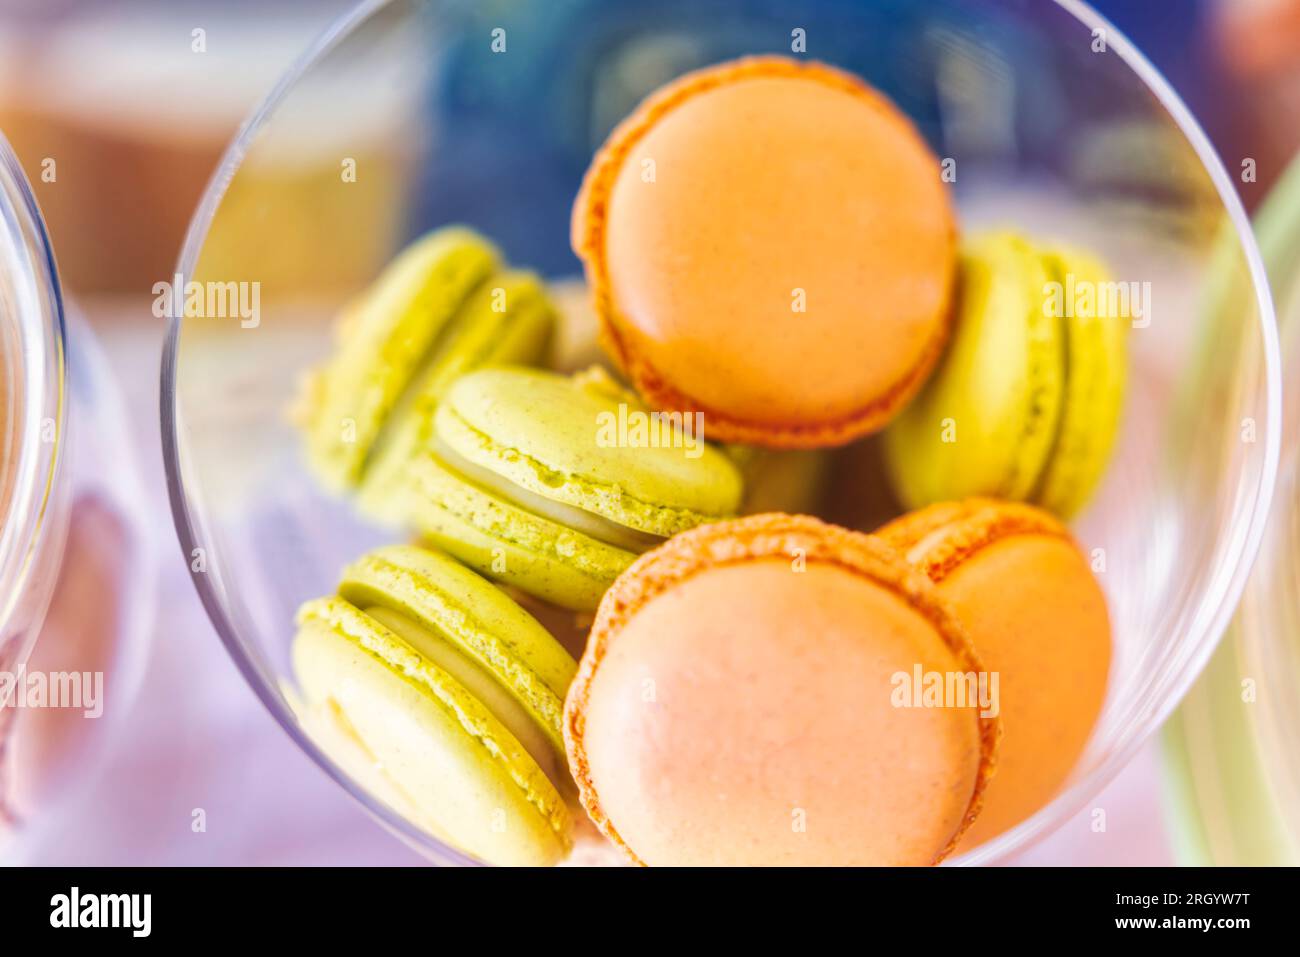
x: 1232, y: 768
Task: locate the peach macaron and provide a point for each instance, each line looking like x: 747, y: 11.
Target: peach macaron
x: 736, y: 704
x: 1030, y: 602
x: 770, y: 242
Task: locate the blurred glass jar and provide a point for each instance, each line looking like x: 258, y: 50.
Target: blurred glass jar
x: 1232, y: 762
x: 76, y: 572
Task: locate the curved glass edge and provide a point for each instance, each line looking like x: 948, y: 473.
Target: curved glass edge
x: 1213, y: 617
x: 34, y: 525
x: 1238, y: 557
x: 189, y: 530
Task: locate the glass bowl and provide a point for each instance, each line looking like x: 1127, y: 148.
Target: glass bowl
x: 1055, y: 121
x: 76, y: 572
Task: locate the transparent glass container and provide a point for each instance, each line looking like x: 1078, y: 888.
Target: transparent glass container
x: 1056, y: 123
x: 1231, y: 756
x: 76, y: 573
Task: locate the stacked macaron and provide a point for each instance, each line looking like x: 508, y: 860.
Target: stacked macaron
x: 772, y: 255
x: 525, y: 479
x: 1026, y: 403
x: 734, y: 704
x: 449, y: 697
x: 444, y: 306
x: 1031, y: 605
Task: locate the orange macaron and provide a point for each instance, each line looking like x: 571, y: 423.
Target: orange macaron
x: 770, y: 242
x: 737, y: 704
x: 1031, y: 604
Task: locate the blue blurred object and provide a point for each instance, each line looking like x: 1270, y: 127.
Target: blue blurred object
x: 1169, y: 32
x: 531, y: 151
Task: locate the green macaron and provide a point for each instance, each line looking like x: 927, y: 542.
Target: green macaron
x: 1026, y: 403
x: 1096, y: 351
x: 452, y: 693
x: 553, y: 484
x: 443, y: 306
x: 507, y: 320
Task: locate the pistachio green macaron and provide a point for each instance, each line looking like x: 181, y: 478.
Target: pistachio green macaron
x: 443, y: 306
x: 507, y: 320
x: 553, y: 484
x: 453, y: 692
x: 1096, y: 352
x: 1027, y: 401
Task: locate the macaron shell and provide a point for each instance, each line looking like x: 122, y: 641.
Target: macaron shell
x: 1049, y: 639
x: 507, y: 543
x: 437, y: 745
x: 1097, y: 346
x: 552, y: 436
x: 987, y: 420
x: 766, y: 204
x: 724, y: 712
x: 521, y: 335
x: 383, y: 341
x: 440, y: 594
x: 508, y: 320
x: 330, y: 729
x: 938, y: 538
x: 1037, y: 616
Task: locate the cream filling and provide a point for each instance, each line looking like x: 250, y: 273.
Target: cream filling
x: 916, y: 554
x: 503, y: 705
x: 570, y: 516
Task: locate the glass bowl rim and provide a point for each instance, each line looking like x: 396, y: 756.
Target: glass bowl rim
x: 1214, y: 612
x: 32, y: 513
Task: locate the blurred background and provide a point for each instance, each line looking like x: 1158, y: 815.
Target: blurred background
x: 120, y: 110
x: 136, y: 100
